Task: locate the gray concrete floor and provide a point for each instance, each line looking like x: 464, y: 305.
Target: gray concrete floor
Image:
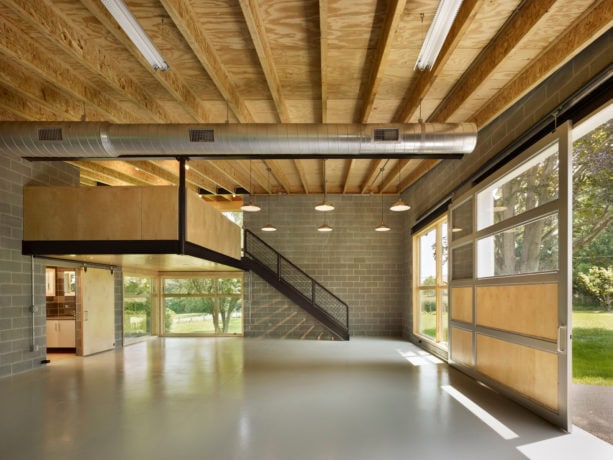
x: 193, y: 398
x: 593, y: 410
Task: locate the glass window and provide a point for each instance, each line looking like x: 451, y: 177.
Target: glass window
x: 203, y: 305
x: 431, y: 254
x: 137, y: 299
x: 528, y: 248
x: 462, y: 220
x: 528, y: 186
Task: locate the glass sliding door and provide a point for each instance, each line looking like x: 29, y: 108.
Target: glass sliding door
x: 203, y: 304
x: 510, y: 285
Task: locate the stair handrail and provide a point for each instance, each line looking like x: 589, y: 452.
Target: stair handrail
x: 314, y: 282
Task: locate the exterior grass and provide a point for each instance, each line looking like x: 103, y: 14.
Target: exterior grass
x: 202, y: 326
x: 593, y: 348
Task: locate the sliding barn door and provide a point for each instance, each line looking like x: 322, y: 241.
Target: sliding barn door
x: 510, y: 299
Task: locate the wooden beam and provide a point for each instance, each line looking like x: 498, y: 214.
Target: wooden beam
x: 301, y: 173
x: 112, y: 169
x: 29, y: 86
x: 423, y: 167
x: 24, y: 108
x: 395, y: 10
x: 131, y: 169
x: 375, y: 167
x: 194, y: 181
x: 206, y: 170
x: 278, y: 174
x: 514, y: 30
x: 577, y: 36
x: 44, y: 17
x: 87, y: 182
x: 103, y: 175
x: 323, y: 51
x: 347, y: 174
x: 16, y: 45
x: 184, y: 16
x: 171, y: 81
x: 420, y: 85
x: 258, y: 177
x: 257, y: 30
x: 394, y: 176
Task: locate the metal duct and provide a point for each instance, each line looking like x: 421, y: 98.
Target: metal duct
x: 92, y: 140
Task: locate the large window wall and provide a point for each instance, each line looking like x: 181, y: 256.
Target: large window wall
x: 137, y: 306
x: 202, y: 304
x: 430, y: 289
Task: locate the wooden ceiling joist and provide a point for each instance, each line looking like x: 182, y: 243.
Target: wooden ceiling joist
x: 302, y: 174
x: 195, y: 181
x: 279, y: 175
x: 347, y: 175
x: 39, y: 92
x: 394, y: 177
x: 257, y: 30
x: 17, y: 46
x: 395, y: 10
x: 323, y: 50
x: 515, y: 29
x: 578, y: 34
x: 375, y: 169
x: 24, y: 107
x: 44, y: 17
x: 171, y: 81
x: 88, y: 176
x: 425, y: 79
x: 184, y: 16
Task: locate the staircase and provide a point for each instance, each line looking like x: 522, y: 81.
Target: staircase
x: 296, y: 285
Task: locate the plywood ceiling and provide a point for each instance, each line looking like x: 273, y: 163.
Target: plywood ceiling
x: 280, y: 61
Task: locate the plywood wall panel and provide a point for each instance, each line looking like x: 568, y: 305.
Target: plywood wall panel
x: 159, y: 213
x: 462, y: 304
x: 528, y: 309
x: 462, y: 346
x: 209, y: 228
x: 109, y: 213
x: 533, y: 373
x: 47, y: 213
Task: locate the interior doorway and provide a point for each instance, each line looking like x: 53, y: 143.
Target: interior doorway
x: 61, y: 311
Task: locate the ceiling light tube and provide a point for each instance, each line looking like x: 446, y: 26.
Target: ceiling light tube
x: 437, y: 33
x: 135, y: 33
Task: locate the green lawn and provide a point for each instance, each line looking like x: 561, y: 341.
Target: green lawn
x: 200, y: 326
x: 593, y: 348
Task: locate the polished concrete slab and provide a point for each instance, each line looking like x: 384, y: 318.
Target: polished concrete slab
x: 232, y: 398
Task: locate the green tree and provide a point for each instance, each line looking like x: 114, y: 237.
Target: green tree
x: 598, y: 281
x: 592, y: 210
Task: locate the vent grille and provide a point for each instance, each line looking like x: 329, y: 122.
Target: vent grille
x: 201, y: 135
x: 386, y: 134
x: 50, y: 134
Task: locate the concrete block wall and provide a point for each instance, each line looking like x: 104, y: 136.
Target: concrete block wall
x: 502, y: 131
x: 362, y: 267
x: 15, y: 270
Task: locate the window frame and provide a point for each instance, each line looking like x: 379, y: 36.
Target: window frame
x: 440, y: 284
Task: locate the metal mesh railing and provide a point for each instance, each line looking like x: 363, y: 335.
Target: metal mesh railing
x: 316, y: 294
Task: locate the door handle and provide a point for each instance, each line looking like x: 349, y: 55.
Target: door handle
x: 562, y: 336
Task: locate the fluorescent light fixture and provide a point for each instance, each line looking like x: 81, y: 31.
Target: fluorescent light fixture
x: 399, y: 206
x: 135, y: 33
x: 437, y: 33
x: 269, y: 228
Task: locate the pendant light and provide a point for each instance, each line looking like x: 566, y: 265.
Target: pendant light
x: 324, y: 205
x: 250, y: 206
x: 399, y: 205
x: 269, y: 227
x: 324, y: 227
x: 382, y: 227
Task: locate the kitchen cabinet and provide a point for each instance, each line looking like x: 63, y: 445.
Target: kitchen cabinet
x: 50, y: 282
x: 61, y: 333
